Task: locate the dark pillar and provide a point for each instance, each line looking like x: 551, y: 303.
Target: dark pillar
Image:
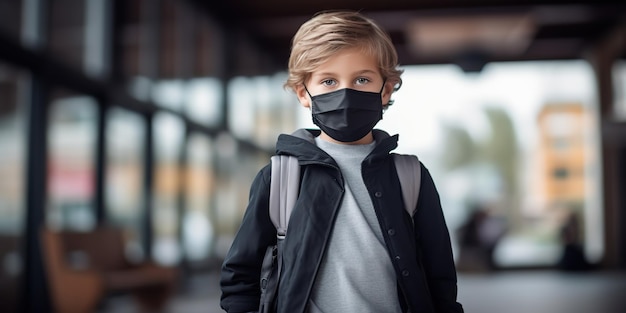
x: 602, y: 57
x: 148, y: 183
x: 101, y: 151
x: 35, y: 296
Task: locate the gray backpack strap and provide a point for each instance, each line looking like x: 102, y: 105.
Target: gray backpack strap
x: 410, y: 174
x: 284, y: 186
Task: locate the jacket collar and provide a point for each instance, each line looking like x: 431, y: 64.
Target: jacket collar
x: 301, y: 144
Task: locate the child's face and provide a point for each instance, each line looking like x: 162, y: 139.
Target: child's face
x: 349, y: 68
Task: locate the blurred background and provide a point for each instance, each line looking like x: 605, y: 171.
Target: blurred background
x: 153, y: 116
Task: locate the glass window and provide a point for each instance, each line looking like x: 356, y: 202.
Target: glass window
x: 169, y: 93
x: 499, y: 127
x: 227, y: 211
x: 198, y: 226
x: 619, y: 89
x: 275, y: 109
x: 170, y: 47
x: 12, y: 182
x: 169, y: 132
x: 97, y: 52
x: 204, y: 100
x: 71, y: 148
x: 67, y: 31
x: 242, y: 107
x: 124, y: 186
x: 267, y: 122
x: 235, y: 168
x: 287, y: 106
x: 140, y: 46
x: 134, y: 33
x: 207, y: 51
x: 78, y: 33
x: 12, y: 151
x: 10, y: 17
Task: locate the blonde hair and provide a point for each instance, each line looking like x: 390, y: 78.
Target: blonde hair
x: 331, y: 31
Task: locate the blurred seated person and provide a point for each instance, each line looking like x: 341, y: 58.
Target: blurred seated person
x: 479, y: 236
x: 573, y: 255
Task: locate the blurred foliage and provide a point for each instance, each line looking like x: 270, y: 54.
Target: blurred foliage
x: 498, y: 150
x: 459, y: 147
x: 501, y: 147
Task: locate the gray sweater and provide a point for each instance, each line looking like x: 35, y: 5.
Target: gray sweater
x: 356, y: 274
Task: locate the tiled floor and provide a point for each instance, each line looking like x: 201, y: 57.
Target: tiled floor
x: 502, y: 292
x: 544, y: 292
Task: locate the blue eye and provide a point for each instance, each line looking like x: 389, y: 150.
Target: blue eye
x: 362, y: 81
x: 329, y: 82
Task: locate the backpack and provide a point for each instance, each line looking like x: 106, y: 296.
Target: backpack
x: 284, y: 187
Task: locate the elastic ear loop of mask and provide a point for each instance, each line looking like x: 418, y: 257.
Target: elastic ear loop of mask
x: 307, y: 91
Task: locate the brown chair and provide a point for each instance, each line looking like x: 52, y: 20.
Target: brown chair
x: 85, y: 267
x: 11, y: 273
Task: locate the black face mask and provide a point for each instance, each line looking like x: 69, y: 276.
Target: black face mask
x: 347, y: 115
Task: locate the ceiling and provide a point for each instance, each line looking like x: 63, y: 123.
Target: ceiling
x: 469, y: 33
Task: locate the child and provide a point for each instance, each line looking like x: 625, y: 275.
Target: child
x: 350, y: 246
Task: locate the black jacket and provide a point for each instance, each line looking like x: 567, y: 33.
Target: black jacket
x: 421, y: 254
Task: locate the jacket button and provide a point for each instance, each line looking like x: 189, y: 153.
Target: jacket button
x: 405, y: 273
x: 391, y: 232
x: 378, y: 194
x: 397, y: 258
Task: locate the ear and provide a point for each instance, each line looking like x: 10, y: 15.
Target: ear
x: 303, y: 96
x: 387, y: 91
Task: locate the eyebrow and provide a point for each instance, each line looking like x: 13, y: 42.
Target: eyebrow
x: 367, y: 71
